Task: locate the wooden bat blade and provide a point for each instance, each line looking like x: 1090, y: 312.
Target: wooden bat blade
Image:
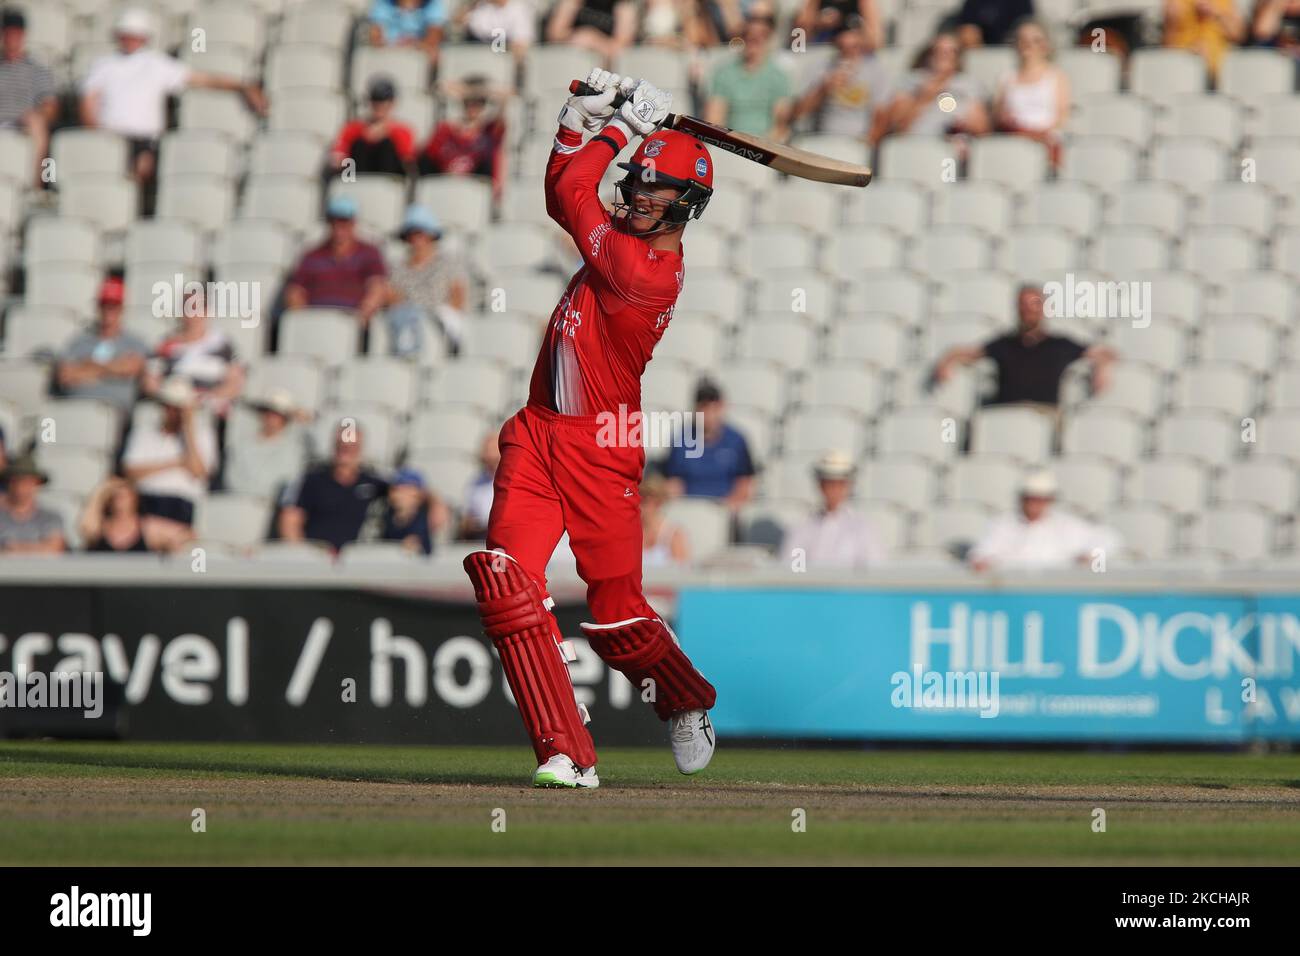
x: 784, y: 159
x: 790, y: 160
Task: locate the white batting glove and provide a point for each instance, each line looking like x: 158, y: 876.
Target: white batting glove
x: 592, y: 112
x: 643, y: 113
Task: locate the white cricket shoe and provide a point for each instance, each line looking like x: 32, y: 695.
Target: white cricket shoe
x: 560, y: 771
x: 691, y: 735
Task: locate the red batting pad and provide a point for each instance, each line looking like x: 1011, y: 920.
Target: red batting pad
x: 644, y: 648
x: 510, y: 605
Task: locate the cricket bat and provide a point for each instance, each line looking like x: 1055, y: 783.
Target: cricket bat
x: 784, y: 159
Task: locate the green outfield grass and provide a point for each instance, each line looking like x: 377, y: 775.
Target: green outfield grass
x: 115, y: 803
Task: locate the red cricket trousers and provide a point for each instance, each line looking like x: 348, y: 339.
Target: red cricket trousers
x: 555, y: 476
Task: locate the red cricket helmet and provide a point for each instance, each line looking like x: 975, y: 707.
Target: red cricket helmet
x: 670, y: 158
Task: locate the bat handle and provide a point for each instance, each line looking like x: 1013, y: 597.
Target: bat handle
x: 579, y: 88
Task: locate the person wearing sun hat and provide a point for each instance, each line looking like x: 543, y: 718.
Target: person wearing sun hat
x: 26, y: 527
x: 837, y: 536
x: 170, y: 464
x: 266, y: 463
x: 1037, y: 534
x: 429, y: 286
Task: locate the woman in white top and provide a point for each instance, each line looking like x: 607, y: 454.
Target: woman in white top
x: 663, y: 543
x: 1034, y: 100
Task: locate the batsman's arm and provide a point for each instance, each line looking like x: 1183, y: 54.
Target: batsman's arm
x: 615, y: 256
x: 567, y: 142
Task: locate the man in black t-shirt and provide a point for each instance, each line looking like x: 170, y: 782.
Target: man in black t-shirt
x: 331, y: 503
x: 1030, y: 361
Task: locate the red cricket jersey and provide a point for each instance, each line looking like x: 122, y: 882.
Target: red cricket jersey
x: 616, y: 307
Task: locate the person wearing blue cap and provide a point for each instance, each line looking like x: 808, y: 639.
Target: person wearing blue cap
x: 413, y: 513
x: 343, y: 272
x: 428, y: 287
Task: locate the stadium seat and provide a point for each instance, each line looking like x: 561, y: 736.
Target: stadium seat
x: 1109, y: 114
x: 802, y: 292
x: 904, y: 481
x: 206, y: 202
x: 109, y: 202
x: 668, y: 386
x: 1239, y: 205
x: 1269, y: 295
x: 878, y: 338
x: 787, y: 342
x: 231, y: 23
x: 318, y: 113
x: 408, y: 68
x: 1249, y: 341
x: 1214, y: 251
x: 981, y: 205
x: 1073, y: 207
x: 990, y: 480
x: 773, y: 247
x: 1162, y: 344
x: 301, y: 377
x: 1204, y: 114
x: 846, y: 385
x: 924, y: 161
x: 72, y: 469
x: 707, y: 520
x: 815, y: 431
x: 1110, y: 433
x: 946, y: 249
x: 253, y: 240
x: 79, y: 152
x: 1284, y: 388
x: 16, y: 160
x: 1261, y: 481
x: 1175, y: 482
x: 1191, y: 162
x: 1155, y: 206
x: 1148, y: 531
x: 1032, y: 252
x: 458, y: 60
x: 1134, y: 387
x: 63, y: 284
x: 1019, y: 433
x: 380, y: 199
x: 328, y: 335
x: 1089, y: 73
x: 157, y: 240
x: 377, y: 554
x: 291, y: 201
x: 233, y: 519
x: 1210, y: 436
x: 54, y: 239
x: 814, y: 210
x: 448, y: 429
x: 1162, y: 74
x: 480, y: 383
x: 1013, y: 161
x: 1120, y: 249
x: 382, y: 433
x: 928, y: 432
x: 459, y: 201
x: 1087, y: 483
x: 24, y: 384
x: 1278, y: 433
x: 219, y: 110
x: 1276, y: 162
x: 81, y: 423
x: 196, y: 152
x: 954, y: 526
x: 1103, y: 162
x: 1178, y: 294
x: 329, y: 25
x: 1242, y: 532
x: 898, y: 205
x: 1251, y: 75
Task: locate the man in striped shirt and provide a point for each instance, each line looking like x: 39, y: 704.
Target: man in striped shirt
x: 27, y: 91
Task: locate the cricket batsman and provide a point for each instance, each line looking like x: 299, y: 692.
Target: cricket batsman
x: 559, y: 471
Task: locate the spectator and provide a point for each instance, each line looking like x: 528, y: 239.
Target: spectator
x: 428, y: 288
x: 111, y: 521
x: 127, y: 92
x: 105, y: 362
x: 837, y: 536
x: 936, y: 97
x: 512, y: 22
x: 332, y: 502
x: 271, y: 460
x: 1276, y: 23
x: 1031, y: 361
x: 824, y: 20
x: 749, y: 92
x: 478, y: 496
x: 202, y: 355
x: 1034, y: 101
x: 26, y: 527
x: 1036, y: 535
x: 28, y: 95
x: 720, y: 466
x: 379, y: 143
x: 343, y: 272
x: 170, y: 464
x: 473, y: 145
x: 990, y: 22
x: 409, y: 23
x: 663, y: 543
x: 847, y: 99
x: 1205, y: 27
x: 413, y: 514
x: 606, y: 27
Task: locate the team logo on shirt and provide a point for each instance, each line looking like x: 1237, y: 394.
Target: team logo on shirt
x: 596, y: 235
